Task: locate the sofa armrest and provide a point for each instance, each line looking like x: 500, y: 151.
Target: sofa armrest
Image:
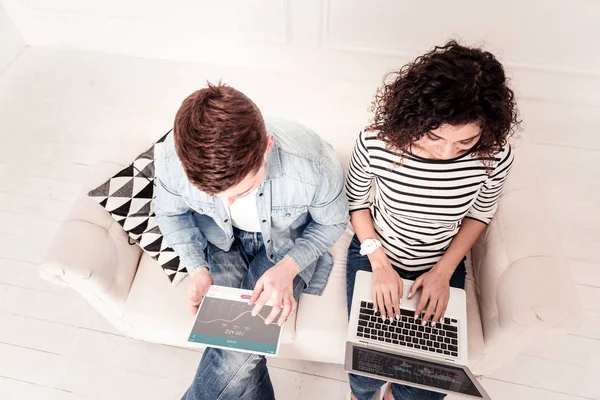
x: 523, y: 282
x: 538, y: 291
x: 91, y: 252
x: 534, y: 297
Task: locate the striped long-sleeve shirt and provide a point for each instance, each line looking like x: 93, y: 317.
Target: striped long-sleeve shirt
x: 419, y: 204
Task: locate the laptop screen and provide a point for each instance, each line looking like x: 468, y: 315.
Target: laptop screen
x: 408, y: 369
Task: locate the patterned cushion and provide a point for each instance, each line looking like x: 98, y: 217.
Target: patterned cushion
x: 129, y: 198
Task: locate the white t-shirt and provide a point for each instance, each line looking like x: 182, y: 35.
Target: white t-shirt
x: 244, y: 214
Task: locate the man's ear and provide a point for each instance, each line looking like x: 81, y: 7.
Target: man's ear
x: 270, y: 142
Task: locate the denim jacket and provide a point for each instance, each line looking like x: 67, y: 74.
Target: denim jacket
x: 301, y: 204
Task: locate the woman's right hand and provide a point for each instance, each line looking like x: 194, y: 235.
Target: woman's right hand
x: 387, y: 285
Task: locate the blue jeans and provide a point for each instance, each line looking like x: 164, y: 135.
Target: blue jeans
x: 363, y: 387
x: 226, y: 374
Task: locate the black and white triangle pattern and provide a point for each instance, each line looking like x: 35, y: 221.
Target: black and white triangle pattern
x: 129, y: 198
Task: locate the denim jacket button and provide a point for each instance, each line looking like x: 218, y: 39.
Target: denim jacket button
x: 200, y: 211
x: 288, y: 215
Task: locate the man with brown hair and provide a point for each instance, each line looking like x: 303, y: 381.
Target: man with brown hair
x: 247, y: 203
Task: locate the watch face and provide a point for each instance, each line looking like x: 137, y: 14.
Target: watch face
x: 369, y: 246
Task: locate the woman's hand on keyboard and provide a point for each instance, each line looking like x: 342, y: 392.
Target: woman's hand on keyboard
x: 386, y: 286
x: 436, y: 293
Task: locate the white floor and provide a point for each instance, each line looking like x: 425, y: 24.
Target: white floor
x: 61, y: 112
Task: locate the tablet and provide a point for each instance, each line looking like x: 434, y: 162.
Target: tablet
x: 225, y: 320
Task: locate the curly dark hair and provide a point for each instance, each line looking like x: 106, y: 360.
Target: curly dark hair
x: 451, y: 84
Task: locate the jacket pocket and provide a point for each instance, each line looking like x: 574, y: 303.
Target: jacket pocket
x: 291, y: 212
x: 288, y: 223
x: 200, y: 207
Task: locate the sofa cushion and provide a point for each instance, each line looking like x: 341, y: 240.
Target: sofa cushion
x: 474, y: 329
x: 322, y: 322
x: 129, y: 198
x: 159, y: 313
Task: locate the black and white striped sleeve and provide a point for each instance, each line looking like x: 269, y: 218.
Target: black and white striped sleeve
x: 486, y: 202
x: 360, y: 176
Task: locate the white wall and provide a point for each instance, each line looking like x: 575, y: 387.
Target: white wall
x: 11, y: 43
x: 549, y: 47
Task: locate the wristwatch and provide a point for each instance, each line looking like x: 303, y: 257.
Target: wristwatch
x: 369, y: 246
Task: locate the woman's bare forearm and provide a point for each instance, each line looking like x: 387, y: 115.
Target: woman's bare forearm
x: 363, y: 225
x: 461, y: 244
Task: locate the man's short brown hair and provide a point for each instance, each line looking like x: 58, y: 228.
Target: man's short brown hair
x: 220, y: 137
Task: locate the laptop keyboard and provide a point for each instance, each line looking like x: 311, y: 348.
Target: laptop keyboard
x: 408, y: 331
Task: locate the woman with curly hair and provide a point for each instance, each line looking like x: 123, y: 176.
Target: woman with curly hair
x: 438, y: 153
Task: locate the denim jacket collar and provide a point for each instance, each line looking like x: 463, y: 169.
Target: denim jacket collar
x: 274, y: 170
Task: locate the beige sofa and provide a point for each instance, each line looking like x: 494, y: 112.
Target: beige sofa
x: 518, y: 286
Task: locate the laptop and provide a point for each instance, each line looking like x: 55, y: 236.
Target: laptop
x: 406, y: 352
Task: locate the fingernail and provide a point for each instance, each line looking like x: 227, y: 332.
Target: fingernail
x: 266, y: 323
x: 424, y: 323
x: 433, y: 324
x: 397, y: 316
x: 416, y: 316
x: 409, y: 295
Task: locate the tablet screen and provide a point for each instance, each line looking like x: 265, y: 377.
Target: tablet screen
x: 229, y: 323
